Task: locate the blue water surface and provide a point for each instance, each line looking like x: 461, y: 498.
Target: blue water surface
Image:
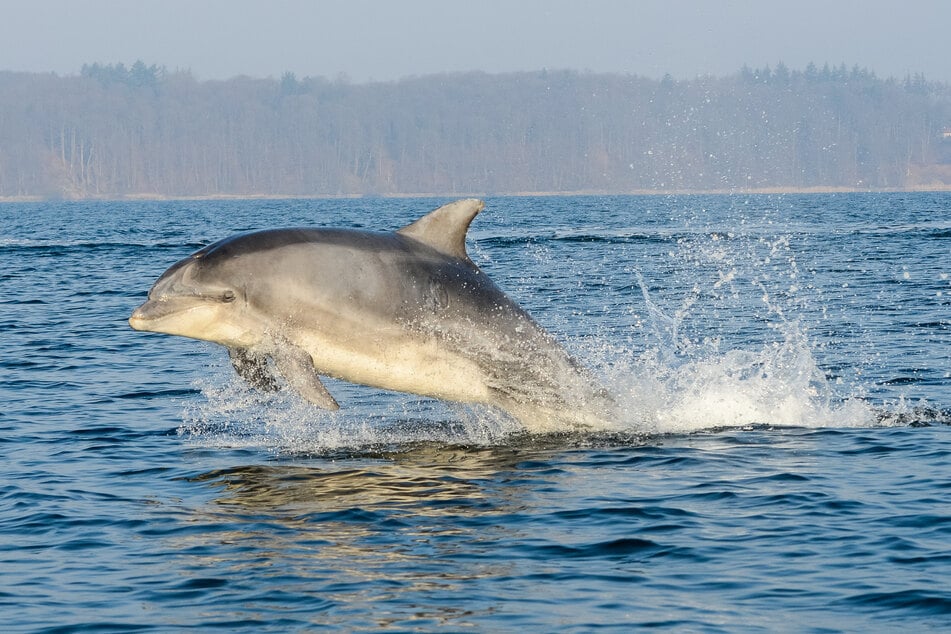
x: 784, y: 364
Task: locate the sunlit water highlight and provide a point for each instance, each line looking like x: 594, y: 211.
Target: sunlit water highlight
x: 782, y: 364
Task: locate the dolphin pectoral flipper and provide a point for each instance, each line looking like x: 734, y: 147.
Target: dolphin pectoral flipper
x: 252, y: 368
x: 297, y: 367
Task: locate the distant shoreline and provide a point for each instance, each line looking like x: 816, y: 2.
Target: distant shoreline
x: 634, y: 192
x: 119, y: 133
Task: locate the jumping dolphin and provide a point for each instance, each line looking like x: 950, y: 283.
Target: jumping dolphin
x: 405, y: 311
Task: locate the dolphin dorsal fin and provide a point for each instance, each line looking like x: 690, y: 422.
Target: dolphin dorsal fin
x: 445, y: 228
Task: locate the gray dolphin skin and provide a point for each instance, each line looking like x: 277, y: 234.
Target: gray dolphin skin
x: 405, y: 311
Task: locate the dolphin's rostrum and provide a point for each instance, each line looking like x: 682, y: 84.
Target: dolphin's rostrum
x: 406, y: 311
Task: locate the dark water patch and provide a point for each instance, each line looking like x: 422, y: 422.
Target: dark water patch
x: 106, y: 627
x: 908, y: 379
x: 612, y: 550
x: 930, y: 602
x: 144, y: 472
x: 930, y: 560
x: 158, y: 394
x: 612, y: 514
x: 618, y: 238
x: 780, y: 478
x: 110, y: 436
x: 926, y: 521
x: 569, y: 239
x: 53, y: 523
x: 20, y: 364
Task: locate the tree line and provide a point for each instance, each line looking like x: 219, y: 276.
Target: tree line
x: 115, y: 131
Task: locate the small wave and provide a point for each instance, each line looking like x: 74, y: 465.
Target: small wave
x: 602, y: 236
x: 923, y: 230
x: 34, y: 245
x: 916, y: 601
x: 623, y: 548
x: 147, y: 394
x: 613, y: 237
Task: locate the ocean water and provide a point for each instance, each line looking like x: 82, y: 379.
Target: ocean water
x: 784, y: 363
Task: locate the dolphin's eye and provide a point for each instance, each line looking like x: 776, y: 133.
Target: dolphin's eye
x: 227, y: 296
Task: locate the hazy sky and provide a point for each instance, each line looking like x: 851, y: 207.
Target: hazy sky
x: 386, y: 40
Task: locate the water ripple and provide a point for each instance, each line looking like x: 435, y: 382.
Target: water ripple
x: 782, y: 362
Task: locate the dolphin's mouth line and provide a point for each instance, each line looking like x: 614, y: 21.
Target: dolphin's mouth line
x: 142, y: 315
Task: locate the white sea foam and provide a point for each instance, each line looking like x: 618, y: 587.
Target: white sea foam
x: 779, y: 384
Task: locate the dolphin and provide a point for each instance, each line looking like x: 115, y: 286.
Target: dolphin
x: 406, y: 311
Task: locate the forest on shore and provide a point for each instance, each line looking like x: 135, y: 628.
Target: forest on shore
x: 114, y: 131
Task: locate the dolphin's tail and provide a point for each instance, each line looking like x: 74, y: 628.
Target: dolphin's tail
x: 567, y: 399
x: 598, y: 413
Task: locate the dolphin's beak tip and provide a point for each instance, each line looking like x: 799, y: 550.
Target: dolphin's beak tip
x: 136, y: 319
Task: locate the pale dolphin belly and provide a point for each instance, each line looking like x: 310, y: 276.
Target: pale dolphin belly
x: 424, y: 368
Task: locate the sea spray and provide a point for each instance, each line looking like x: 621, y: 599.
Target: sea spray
x: 690, y: 371
x: 692, y: 325
x: 779, y: 384
x: 233, y: 414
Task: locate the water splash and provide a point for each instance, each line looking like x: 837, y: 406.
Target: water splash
x: 232, y: 414
x: 725, y: 339
x: 661, y: 390
x: 779, y: 384
x: 687, y: 377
